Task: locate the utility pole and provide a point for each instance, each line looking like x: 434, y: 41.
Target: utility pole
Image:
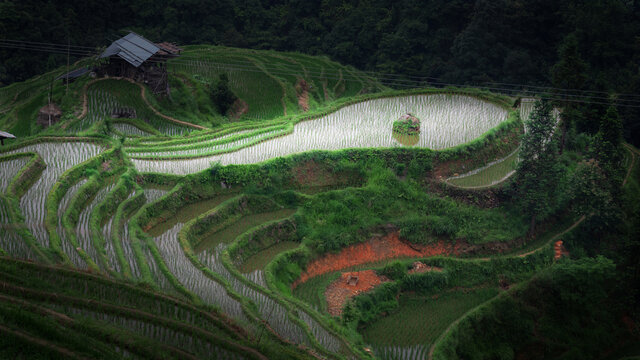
x: 68, y: 46
x: 49, y: 106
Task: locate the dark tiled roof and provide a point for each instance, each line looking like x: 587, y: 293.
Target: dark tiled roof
x: 170, y: 48
x: 133, y: 48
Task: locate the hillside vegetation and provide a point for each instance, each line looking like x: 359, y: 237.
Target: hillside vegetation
x: 263, y: 85
x: 212, y: 222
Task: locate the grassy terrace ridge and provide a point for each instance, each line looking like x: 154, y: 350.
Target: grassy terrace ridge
x: 208, y: 272
x: 112, y: 294
x: 190, y: 102
x: 146, y: 152
x: 196, y: 136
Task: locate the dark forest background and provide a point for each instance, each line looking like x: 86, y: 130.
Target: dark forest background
x: 480, y: 42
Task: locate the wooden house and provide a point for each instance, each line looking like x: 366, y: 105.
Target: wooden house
x: 139, y: 59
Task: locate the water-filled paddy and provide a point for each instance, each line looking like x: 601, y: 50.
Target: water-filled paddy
x: 58, y: 157
x: 446, y: 121
x: 261, y: 259
x: 187, y: 213
x: 229, y: 233
x: 490, y: 174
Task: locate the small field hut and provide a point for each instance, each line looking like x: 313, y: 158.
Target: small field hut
x: 5, y: 135
x: 139, y: 59
x: 49, y: 115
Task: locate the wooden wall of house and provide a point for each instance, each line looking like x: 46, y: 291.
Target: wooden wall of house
x: 151, y: 73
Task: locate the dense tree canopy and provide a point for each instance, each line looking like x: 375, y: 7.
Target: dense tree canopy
x: 456, y: 41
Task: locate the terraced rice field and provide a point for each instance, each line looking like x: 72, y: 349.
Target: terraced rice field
x: 265, y: 80
x: 58, y: 157
x: 9, y: 169
x: 491, y: 174
x: 499, y: 170
x: 446, y: 121
x: 129, y: 130
x: 10, y: 242
x: 312, y: 291
x: 158, y: 259
x: 208, y: 147
x: 67, y: 246
x: 271, y: 310
x: 231, y: 232
x: 108, y: 97
x: 260, y: 260
x: 418, y: 322
x: 191, y: 277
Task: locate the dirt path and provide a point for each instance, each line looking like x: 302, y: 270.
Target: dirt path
x: 554, y: 238
x: 302, y: 92
x: 84, y: 101
x: 143, y: 93
x: 335, y: 87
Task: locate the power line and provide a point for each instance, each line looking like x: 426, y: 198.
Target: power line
x: 46, y: 44
x: 250, y: 66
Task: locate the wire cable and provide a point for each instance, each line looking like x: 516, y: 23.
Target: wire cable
x: 392, y: 80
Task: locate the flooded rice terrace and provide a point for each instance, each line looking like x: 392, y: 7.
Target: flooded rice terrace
x: 446, y: 121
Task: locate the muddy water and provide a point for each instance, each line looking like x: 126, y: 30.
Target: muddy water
x: 232, y: 231
x: 261, y: 259
x: 189, y: 212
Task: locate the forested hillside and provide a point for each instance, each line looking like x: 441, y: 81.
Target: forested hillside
x: 496, y: 44
x: 444, y: 39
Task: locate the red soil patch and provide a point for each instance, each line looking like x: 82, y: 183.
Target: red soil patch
x: 302, y: 92
x: 377, y: 249
x: 344, y: 288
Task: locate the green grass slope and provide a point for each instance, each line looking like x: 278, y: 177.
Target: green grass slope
x: 266, y: 81
x: 267, y: 84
